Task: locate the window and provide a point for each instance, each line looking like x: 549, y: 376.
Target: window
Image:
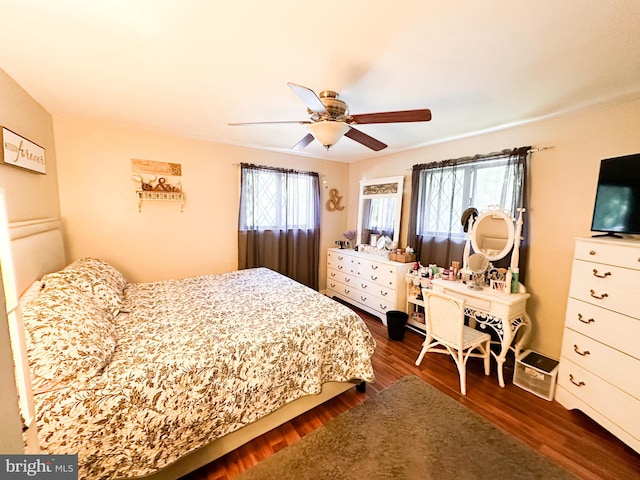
x: 447, y: 191
x: 442, y: 191
x: 276, y: 199
x: 279, y: 222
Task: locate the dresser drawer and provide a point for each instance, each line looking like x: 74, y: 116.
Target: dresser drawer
x: 377, y: 290
x: 609, y: 253
x: 609, y: 364
x: 376, y: 303
x: 342, y: 277
x: 334, y: 287
x: 599, y: 276
x: 616, y: 330
x: 612, y: 288
x: 379, y: 273
x: 346, y: 292
x: 610, y: 402
x: 361, y: 299
x: 342, y: 262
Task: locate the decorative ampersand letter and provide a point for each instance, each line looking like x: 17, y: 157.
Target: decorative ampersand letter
x: 334, y: 200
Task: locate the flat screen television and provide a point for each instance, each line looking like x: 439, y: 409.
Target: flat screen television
x: 617, y: 205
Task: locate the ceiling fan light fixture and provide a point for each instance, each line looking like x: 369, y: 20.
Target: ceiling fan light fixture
x: 328, y: 132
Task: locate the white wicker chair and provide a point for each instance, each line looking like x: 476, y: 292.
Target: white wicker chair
x: 447, y: 333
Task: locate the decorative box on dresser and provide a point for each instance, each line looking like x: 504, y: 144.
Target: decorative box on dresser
x: 367, y: 281
x: 600, y: 364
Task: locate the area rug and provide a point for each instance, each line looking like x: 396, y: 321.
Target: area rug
x: 408, y: 431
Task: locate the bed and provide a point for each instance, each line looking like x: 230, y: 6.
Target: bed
x: 157, y: 379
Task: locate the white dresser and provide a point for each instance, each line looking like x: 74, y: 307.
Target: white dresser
x: 370, y: 282
x: 600, y: 364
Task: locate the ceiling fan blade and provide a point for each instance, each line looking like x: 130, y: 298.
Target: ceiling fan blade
x: 300, y: 122
x: 423, y: 115
x: 306, y: 140
x: 365, y: 139
x: 310, y: 99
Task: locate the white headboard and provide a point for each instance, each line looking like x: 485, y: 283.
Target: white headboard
x: 37, y: 247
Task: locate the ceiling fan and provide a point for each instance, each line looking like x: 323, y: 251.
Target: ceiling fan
x: 329, y: 119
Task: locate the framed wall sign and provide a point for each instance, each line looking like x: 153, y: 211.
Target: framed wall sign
x: 20, y: 152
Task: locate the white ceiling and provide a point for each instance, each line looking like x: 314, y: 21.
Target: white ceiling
x: 190, y: 67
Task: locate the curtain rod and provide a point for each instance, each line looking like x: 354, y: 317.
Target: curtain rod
x: 478, y: 157
x: 538, y: 149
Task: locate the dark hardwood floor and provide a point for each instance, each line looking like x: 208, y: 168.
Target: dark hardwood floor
x: 569, y: 438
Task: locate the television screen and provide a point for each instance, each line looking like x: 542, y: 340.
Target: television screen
x: 617, y: 206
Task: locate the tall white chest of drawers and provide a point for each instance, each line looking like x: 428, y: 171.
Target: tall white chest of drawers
x: 370, y: 282
x: 600, y: 364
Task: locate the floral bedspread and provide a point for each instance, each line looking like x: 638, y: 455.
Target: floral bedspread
x: 196, y: 359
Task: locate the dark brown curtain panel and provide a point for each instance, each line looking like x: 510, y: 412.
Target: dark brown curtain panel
x: 279, y: 222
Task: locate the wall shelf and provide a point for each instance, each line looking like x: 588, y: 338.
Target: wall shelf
x: 143, y: 195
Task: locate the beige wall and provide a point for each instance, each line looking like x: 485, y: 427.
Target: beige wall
x: 100, y: 215
x: 562, y: 191
x: 29, y: 195
x: 100, y: 212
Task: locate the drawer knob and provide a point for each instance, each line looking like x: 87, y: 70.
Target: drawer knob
x: 577, y: 384
x: 363, y: 285
x: 584, y: 354
x: 373, y: 278
x: 364, y: 299
x: 384, y: 294
x: 347, y: 280
x: 592, y: 252
x: 600, y: 275
x: 347, y: 291
x: 588, y: 320
x: 374, y: 267
x: 383, y: 307
x: 340, y: 258
x: 599, y: 297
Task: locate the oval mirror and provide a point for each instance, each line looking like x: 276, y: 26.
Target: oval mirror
x: 493, y: 235
x: 478, y: 263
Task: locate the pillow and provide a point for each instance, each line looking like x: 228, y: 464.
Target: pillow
x: 67, y: 335
x: 96, y: 278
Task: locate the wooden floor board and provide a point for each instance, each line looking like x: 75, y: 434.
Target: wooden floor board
x: 568, y: 438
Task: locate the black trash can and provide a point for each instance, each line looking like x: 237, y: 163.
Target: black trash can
x: 396, y: 320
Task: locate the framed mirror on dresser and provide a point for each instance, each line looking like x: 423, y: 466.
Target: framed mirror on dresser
x: 379, y: 211
x: 366, y: 278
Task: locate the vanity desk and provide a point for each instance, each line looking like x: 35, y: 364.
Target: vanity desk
x: 493, y: 236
